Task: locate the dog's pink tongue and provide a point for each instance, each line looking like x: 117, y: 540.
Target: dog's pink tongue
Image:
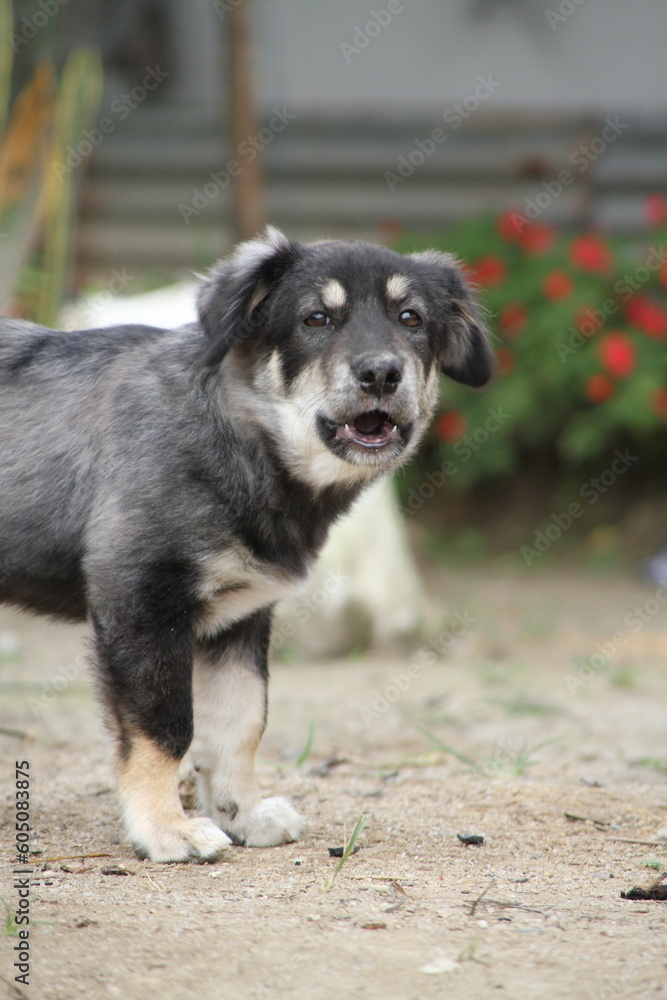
x: 369, y: 423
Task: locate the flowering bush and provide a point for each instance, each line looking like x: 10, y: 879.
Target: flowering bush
x: 579, y: 327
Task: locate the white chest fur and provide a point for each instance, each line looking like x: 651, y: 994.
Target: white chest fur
x: 235, y: 584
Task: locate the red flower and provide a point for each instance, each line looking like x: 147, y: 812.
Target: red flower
x: 598, y: 388
x: 659, y: 402
x: 537, y: 239
x: 558, y: 285
x: 635, y: 309
x: 451, y: 425
x: 618, y: 354
x: 488, y: 271
x: 509, y: 225
x: 648, y: 316
x: 655, y: 210
x: 591, y: 254
x: 512, y: 319
x: 506, y: 360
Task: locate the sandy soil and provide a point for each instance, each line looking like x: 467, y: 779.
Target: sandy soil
x: 541, y: 730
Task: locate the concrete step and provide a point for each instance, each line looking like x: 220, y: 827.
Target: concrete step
x: 327, y: 177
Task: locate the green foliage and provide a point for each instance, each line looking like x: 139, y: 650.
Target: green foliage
x: 579, y: 327
x: 6, y: 60
x: 37, y: 189
x: 77, y: 99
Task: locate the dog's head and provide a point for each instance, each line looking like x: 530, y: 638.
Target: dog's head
x: 340, y: 346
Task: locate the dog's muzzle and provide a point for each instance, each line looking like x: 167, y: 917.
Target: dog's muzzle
x: 377, y: 422
x: 375, y: 429
x: 366, y: 436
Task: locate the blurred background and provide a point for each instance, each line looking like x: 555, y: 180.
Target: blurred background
x: 344, y: 94
x: 529, y: 137
x: 496, y: 615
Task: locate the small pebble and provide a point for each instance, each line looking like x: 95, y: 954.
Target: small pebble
x: 470, y: 838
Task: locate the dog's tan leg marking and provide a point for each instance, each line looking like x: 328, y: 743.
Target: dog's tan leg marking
x: 230, y: 710
x: 157, y: 827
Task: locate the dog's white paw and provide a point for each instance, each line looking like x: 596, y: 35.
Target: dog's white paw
x: 196, y: 839
x: 268, y: 823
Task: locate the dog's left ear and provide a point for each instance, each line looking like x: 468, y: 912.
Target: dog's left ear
x: 230, y: 298
x: 466, y: 354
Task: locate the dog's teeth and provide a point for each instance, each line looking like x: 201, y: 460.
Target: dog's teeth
x: 347, y: 427
x: 395, y: 427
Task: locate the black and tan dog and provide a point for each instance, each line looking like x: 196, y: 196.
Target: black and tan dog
x: 171, y: 485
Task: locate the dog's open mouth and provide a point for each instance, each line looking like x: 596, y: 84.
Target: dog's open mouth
x: 373, y: 438
x: 370, y: 430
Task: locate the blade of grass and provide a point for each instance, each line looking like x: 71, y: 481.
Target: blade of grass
x: 305, y: 753
x: 349, y: 847
x: 11, y: 927
x: 523, y: 760
x: 447, y: 749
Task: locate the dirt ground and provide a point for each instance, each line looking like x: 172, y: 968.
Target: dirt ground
x: 551, y: 690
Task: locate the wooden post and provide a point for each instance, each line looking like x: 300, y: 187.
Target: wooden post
x: 248, y: 191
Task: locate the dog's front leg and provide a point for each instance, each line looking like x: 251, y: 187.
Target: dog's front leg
x: 230, y: 680
x: 145, y: 668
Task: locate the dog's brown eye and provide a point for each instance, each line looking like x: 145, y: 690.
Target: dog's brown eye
x: 410, y: 318
x: 317, y: 319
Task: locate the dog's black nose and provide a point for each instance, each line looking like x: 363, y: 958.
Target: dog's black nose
x: 378, y: 374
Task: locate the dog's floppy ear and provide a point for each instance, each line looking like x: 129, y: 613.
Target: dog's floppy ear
x: 466, y: 354
x: 233, y: 290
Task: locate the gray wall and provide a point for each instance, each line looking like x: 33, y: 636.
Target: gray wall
x: 606, y: 54
x: 603, y: 55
